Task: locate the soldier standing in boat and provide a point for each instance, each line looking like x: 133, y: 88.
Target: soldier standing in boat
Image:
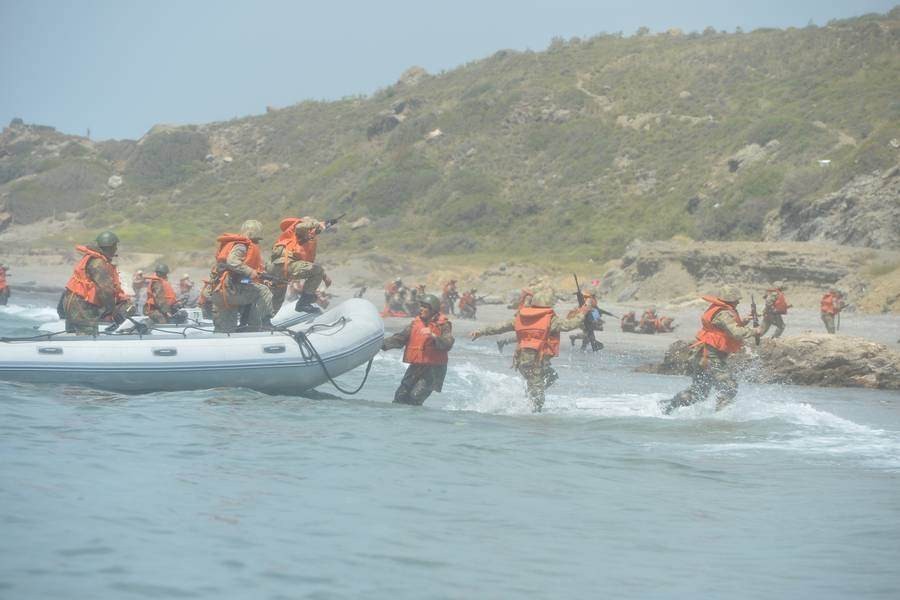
x: 94, y: 292
x: 294, y: 259
x: 235, y: 287
x: 537, y: 330
x: 428, y: 340
x: 722, y: 333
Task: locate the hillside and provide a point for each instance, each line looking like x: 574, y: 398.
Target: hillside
x: 570, y: 152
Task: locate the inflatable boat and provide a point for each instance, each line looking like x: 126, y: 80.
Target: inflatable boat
x: 304, y: 351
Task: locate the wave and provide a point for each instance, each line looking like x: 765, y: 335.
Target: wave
x: 39, y: 314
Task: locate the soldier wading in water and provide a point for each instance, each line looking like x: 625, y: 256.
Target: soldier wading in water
x: 428, y: 339
x: 537, y: 330
x: 722, y: 333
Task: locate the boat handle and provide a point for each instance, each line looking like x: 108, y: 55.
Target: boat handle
x: 165, y: 351
x: 274, y: 349
x: 50, y: 350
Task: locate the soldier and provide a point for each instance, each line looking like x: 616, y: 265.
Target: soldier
x: 525, y: 295
x: 776, y: 305
x: 4, y: 288
x: 427, y: 339
x: 466, y: 305
x: 594, y: 323
x: 235, y: 289
x: 665, y: 325
x: 294, y: 259
x: 94, y: 292
x: 390, y: 290
x: 537, y: 330
x: 722, y: 333
x: 629, y: 322
x: 186, y: 296
x: 449, y: 297
x: 162, y: 303
x: 648, y: 321
x: 831, y: 306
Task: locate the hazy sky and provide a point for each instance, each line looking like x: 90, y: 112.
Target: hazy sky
x: 119, y: 66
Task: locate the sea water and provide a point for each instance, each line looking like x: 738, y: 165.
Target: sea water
x: 229, y: 493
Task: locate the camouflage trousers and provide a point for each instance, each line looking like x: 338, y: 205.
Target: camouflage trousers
x: 709, y: 373
x: 4, y: 296
x: 769, y: 319
x: 585, y: 339
x: 82, y: 317
x: 157, y: 316
x: 249, y: 302
x: 828, y: 319
x: 538, y: 374
x: 312, y: 275
x: 418, y: 382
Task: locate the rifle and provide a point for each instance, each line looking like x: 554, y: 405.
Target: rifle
x: 332, y: 222
x: 588, y: 319
x: 273, y: 278
x: 755, y: 316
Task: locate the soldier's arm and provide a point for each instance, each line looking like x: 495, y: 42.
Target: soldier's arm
x: 106, y: 288
x: 496, y: 329
x: 726, y: 321
x: 398, y: 340
x: 558, y: 325
x: 160, y: 297
x: 236, y: 259
x: 445, y: 340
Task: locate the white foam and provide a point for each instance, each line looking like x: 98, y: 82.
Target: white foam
x: 41, y: 314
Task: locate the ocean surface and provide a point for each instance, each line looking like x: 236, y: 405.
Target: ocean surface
x: 227, y: 493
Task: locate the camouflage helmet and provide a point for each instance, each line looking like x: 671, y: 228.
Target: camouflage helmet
x: 778, y: 285
x: 251, y: 229
x: 305, y: 223
x: 543, y: 299
x: 162, y: 269
x: 730, y: 294
x: 432, y: 302
x: 107, y: 239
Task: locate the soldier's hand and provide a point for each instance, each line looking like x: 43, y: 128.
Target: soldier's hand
x: 327, y: 280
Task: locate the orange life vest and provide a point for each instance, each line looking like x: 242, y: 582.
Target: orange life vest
x: 714, y: 336
x: 828, y: 305
x: 533, y: 330
x: 84, y: 287
x: 780, y: 305
x: 227, y: 242
x: 2, y: 279
x: 420, y: 349
x: 294, y: 249
x: 465, y: 299
x: 168, y: 292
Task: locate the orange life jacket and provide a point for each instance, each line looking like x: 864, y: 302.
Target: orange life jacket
x: 168, y: 292
x: 829, y: 306
x: 533, y: 330
x: 714, y: 336
x: 84, y: 287
x: 420, y: 349
x: 465, y: 299
x: 294, y: 249
x: 2, y: 279
x: 780, y: 305
x: 227, y: 242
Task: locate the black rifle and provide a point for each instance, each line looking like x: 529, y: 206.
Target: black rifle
x: 754, y: 316
x: 331, y: 222
x: 588, y: 318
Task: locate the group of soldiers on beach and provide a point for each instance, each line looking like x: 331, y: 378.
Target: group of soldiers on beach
x: 244, y: 290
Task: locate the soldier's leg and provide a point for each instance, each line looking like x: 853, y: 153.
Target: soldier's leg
x: 259, y: 316
x: 778, y: 321
x: 226, y: 311
x: 311, y: 274
x: 535, y: 382
x: 829, y: 322
x: 414, y: 387
x: 724, y: 382
x: 766, y: 324
x: 81, y: 317
x: 279, y: 291
x: 701, y: 383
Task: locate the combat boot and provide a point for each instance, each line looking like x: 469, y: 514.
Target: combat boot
x: 306, y: 303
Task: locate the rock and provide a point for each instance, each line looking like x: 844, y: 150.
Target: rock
x: 746, y: 156
x: 684, y: 95
x: 384, y: 123
x: 434, y: 134
x: 808, y: 359
x: 268, y: 170
x: 114, y: 181
x: 865, y: 212
x: 360, y: 222
x: 5, y: 220
x: 412, y: 76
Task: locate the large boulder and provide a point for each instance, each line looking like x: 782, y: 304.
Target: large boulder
x: 809, y: 359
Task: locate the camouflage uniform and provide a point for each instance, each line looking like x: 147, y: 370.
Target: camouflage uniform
x: 251, y: 302
x: 710, y: 368
x: 420, y: 381
x: 536, y: 369
x: 770, y: 316
x: 4, y: 288
x: 81, y: 316
x: 163, y: 308
x: 830, y: 309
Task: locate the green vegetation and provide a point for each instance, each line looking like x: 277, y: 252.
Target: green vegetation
x: 571, y: 152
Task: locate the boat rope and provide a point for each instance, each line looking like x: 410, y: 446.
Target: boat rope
x: 307, y: 347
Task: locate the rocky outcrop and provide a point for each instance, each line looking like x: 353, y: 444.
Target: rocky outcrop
x: 674, y: 269
x: 865, y: 212
x: 810, y: 359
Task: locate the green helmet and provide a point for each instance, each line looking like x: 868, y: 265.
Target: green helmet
x: 730, y: 294
x: 107, y: 239
x: 162, y: 269
x: 543, y: 299
x: 432, y: 302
